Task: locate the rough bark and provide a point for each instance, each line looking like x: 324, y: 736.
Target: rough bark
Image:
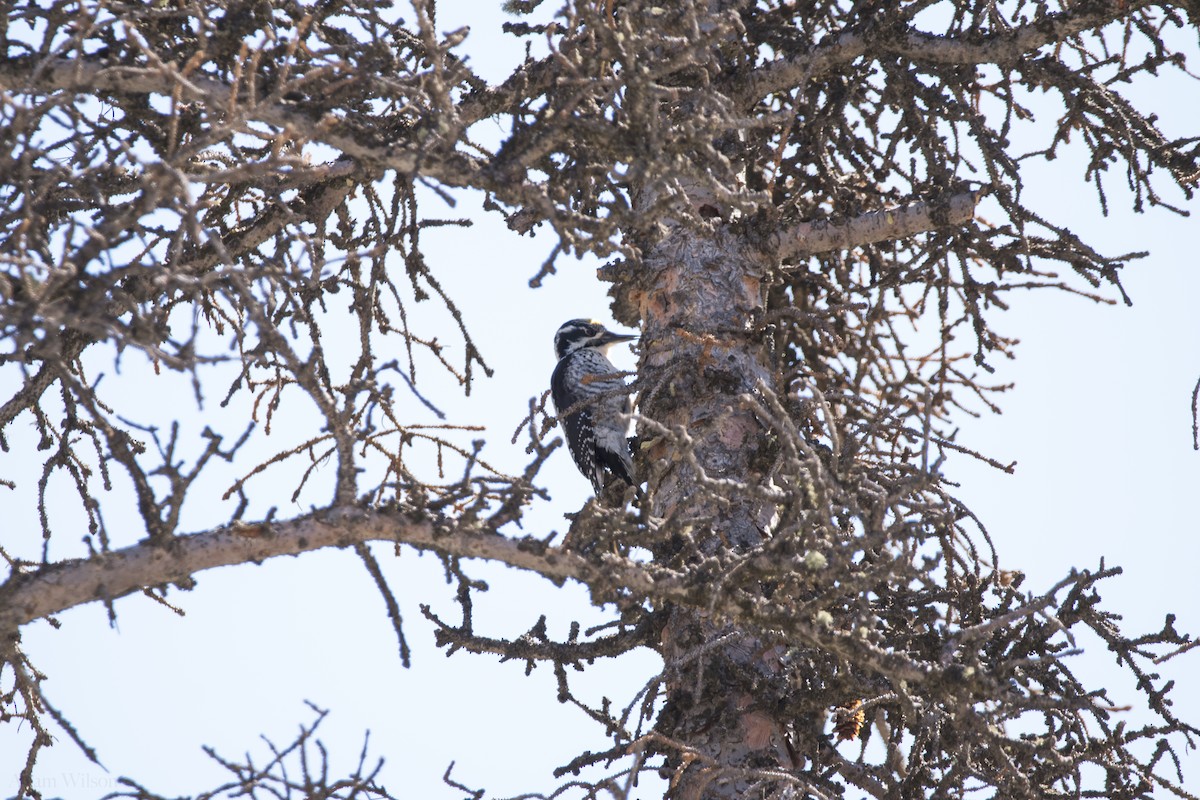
x: 700, y: 297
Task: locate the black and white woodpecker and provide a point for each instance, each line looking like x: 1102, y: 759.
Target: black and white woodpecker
x: 585, y: 384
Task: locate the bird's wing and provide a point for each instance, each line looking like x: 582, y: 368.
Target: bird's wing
x: 578, y: 427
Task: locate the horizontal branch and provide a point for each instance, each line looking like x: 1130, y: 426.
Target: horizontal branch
x: 49, y: 590
x: 928, y: 48
x: 821, y: 236
x: 430, y: 149
x: 84, y: 75
x: 107, y: 576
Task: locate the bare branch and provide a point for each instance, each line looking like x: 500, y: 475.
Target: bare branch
x: 50, y: 75
x: 1003, y: 47
x: 810, y: 238
x: 27, y: 597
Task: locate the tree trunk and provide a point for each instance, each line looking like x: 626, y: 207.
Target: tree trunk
x: 699, y: 295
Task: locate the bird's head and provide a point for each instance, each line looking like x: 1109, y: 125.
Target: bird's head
x: 579, y: 333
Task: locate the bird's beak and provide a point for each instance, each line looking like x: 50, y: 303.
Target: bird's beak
x: 608, y: 337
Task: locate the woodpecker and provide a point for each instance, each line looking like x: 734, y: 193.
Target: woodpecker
x: 585, y: 380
